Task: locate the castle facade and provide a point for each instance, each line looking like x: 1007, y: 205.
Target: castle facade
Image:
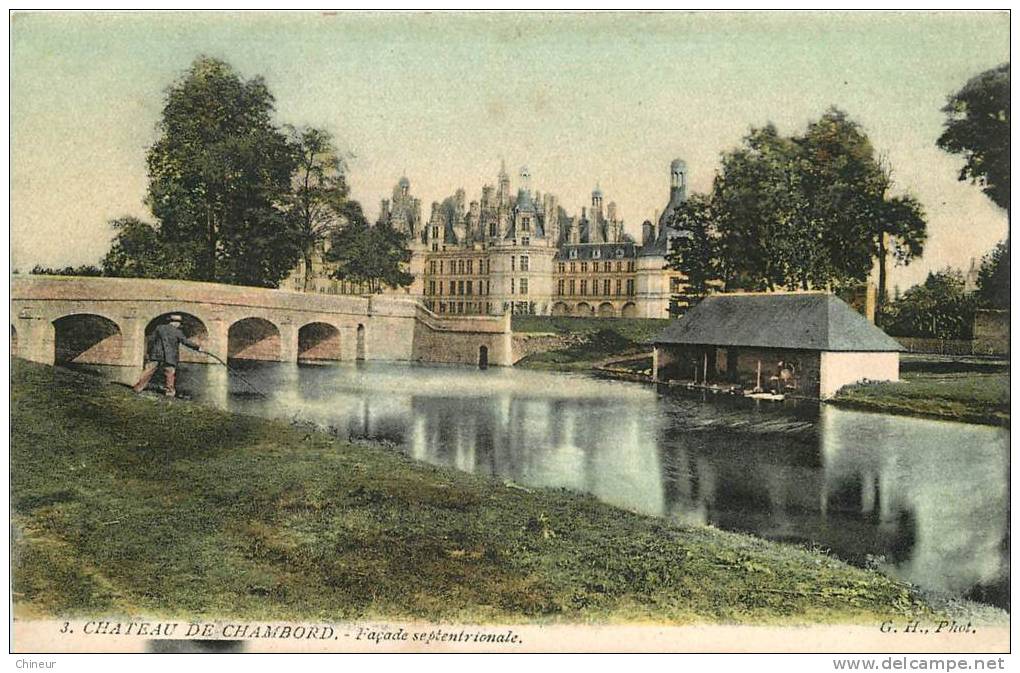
x: 521, y: 253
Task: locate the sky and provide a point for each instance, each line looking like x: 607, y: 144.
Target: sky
x: 579, y: 98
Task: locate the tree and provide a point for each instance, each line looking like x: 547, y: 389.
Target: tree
x: 138, y: 251
x: 993, y: 278
x: 977, y: 126
x: 373, y: 256
x: 218, y: 175
x: 83, y: 270
x: 694, y: 250
x: 900, y: 229
x: 939, y: 308
x: 809, y: 211
x: 319, y: 191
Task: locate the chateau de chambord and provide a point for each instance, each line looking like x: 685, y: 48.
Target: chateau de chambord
x: 522, y: 253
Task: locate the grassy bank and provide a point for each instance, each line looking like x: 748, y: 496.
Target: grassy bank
x: 952, y: 388
x: 600, y: 339
x: 137, y: 505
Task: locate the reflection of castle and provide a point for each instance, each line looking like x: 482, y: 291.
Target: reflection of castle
x: 522, y: 253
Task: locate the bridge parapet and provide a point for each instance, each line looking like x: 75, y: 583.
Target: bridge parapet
x: 105, y: 320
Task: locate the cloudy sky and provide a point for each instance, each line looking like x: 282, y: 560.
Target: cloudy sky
x: 443, y: 98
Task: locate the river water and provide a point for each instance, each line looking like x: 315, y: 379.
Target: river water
x: 924, y: 500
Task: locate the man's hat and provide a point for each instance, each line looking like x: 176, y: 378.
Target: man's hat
x: 175, y: 318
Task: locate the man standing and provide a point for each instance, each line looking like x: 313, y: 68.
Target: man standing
x: 164, y: 351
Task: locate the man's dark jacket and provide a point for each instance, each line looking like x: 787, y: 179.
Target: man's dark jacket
x: 165, y: 343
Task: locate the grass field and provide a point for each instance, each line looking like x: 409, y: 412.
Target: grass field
x: 602, y: 339
x: 954, y: 388
x: 129, y: 505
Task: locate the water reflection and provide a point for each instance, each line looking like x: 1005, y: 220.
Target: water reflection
x: 925, y: 500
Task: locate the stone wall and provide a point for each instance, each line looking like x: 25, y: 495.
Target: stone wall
x: 991, y: 332
x: 529, y: 344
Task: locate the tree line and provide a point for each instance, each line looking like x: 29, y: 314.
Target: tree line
x: 237, y: 199
x: 816, y: 210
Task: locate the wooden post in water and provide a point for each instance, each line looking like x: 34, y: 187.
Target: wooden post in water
x: 704, y: 375
x: 758, y: 387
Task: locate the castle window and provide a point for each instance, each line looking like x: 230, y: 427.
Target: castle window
x: 573, y: 266
x: 573, y: 287
x: 524, y: 286
x: 596, y: 253
x: 584, y: 267
x: 435, y: 247
x: 559, y: 286
x: 435, y: 232
x: 562, y: 267
x: 471, y: 266
x: 619, y: 266
x: 584, y: 286
x: 513, y: 263
x: 460, y: 266
x: 618, y: 282
x: 460, y: 287
x: 470, y: 286
x: 511, y: 286
x: 630, y: 287
x: 524, y: 262
x: 526, y: 224
x: 432, y: 287
x: 630, y: 266
x: 442, y: 307
x: 525, y: 241
x: 605, y: 286
x: 492, y: 229
x: 573, y: 255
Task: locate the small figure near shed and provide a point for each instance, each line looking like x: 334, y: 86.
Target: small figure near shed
x: 164, y: 352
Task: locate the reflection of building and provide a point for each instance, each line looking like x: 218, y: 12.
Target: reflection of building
x: 811, y: 344
x: 522, y: 253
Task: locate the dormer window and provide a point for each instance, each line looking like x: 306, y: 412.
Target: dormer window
x: 573, y: 254
x: 619, y: 253
x: 596, y: 253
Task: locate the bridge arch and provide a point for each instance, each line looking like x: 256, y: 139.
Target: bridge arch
x: 318, y: 341
x: 192, y: 326
x: 87, y: 338
x: 560, y: 308
x: 253, y: 339
x: 606, y: 310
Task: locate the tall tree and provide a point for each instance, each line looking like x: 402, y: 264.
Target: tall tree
x: 138, y: 251
x: 218, y: 175
x: 809, y: 211
x: 319, y: 191
x: 694, y: 249
x: 371, y: 255
x: 993, y: 278
x: 977, y: 126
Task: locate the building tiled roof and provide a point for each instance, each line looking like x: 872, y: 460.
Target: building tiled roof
x: 586, y: 251
x: 800, y: 321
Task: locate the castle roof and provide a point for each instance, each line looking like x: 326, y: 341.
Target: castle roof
x: 596, y: 251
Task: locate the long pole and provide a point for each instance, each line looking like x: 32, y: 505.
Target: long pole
x: 236, y: 373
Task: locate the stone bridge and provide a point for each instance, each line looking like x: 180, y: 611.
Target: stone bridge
x: 105, y: 321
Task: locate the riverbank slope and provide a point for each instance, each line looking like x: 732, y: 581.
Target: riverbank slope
x: 134, y: 505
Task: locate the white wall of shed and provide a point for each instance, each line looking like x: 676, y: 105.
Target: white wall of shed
x: 840, y: 369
